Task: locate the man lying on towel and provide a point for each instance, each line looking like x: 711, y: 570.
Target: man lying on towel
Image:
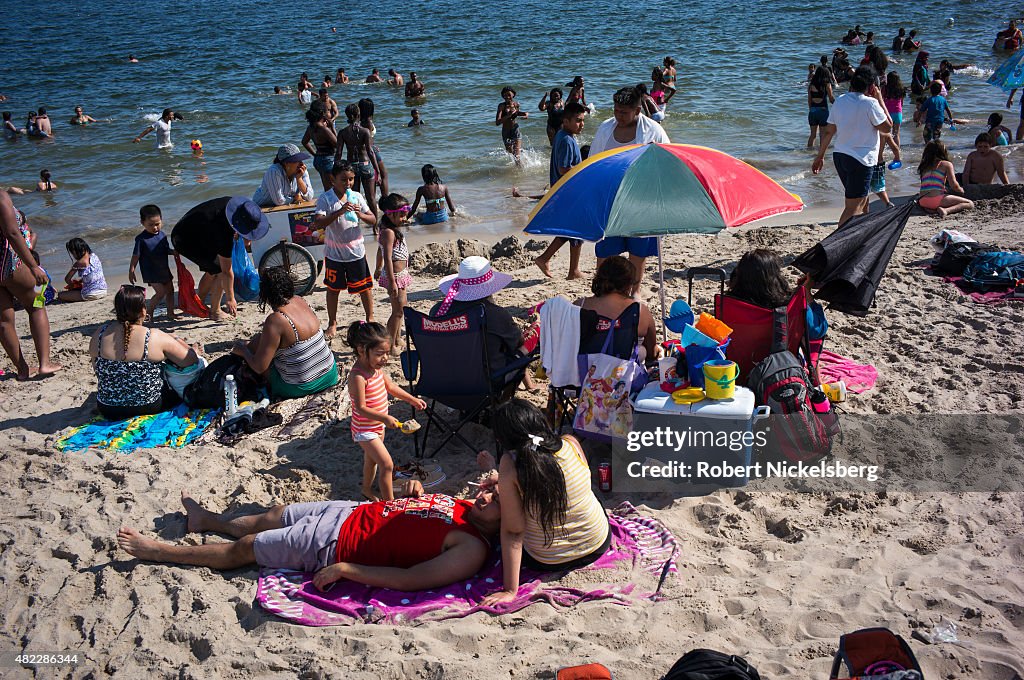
x: 413, y: 543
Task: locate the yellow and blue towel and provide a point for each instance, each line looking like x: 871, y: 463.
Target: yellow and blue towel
x: 174, y: 428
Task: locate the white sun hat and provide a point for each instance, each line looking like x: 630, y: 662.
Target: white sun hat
x: 475, y: 281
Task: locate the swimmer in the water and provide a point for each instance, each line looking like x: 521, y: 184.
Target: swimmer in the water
x: 43, y: 121
x: 507, y: 117
x: 80, y: 118
x: 414, y: 88
x: 11, y: 131
x: 374, y: 76
x: 326, y: 84
x: 340, y: 78
x: 132, y: 59
x: 281, y: 90
x: 396, y: 79
x: 415, y: 120
x: 44, y: 183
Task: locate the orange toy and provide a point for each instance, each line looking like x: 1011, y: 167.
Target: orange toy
x: 712, y: 327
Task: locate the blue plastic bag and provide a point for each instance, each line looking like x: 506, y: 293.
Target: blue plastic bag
x: 817, y: 324
x: 697, y: 356
x: 247, y: 279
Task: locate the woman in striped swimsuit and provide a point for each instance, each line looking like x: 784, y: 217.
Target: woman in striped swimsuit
x: 369, y: 387
x: 290, y: 350
x: 550, y: 518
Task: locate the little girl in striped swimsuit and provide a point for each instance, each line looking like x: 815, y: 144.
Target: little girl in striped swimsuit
x: 369, y: 387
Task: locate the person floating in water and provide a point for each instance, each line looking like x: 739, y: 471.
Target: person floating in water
x: 80, y: 118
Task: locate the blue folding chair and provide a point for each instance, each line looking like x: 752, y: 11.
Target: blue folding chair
x: 446, y: 363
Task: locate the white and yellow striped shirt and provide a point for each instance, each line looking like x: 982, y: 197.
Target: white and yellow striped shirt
x: 586, y: 525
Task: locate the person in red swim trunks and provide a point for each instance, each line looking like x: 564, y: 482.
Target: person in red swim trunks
x: 418, y: 542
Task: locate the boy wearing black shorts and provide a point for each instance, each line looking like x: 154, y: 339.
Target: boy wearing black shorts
x: 152, y: 248
x: 343, y: 212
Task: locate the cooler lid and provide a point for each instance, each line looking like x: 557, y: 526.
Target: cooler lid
x: 652, y: 400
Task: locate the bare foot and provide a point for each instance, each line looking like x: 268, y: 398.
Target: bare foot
x: 941, y: 212
x: 197, y: 517
x: 543, y: 266
x: 574, y: 275
x: 485, y: 460
x: 25, y: 374
x: 134, y: 543
x: 48, y: 369
x: 331, y: 331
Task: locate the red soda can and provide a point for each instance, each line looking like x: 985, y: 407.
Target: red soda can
x: 604, y: 477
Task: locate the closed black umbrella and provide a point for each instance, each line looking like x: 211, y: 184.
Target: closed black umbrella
x: 848, y: 264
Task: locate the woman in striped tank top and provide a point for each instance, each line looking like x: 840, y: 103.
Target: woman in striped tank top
x: 369, y: 387
x: 937, y: 173
x: 550, y: 518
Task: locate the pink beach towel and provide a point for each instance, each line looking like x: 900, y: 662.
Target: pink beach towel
x: 859, y: 378
x: 642, y: 541
x: 993, y: 297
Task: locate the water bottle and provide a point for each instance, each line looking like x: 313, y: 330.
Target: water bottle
x: 230, y: 395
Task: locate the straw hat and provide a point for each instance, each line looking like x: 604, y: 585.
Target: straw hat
x: 475, y: 281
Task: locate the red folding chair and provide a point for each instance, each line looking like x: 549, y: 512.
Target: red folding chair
x: 751, y: 339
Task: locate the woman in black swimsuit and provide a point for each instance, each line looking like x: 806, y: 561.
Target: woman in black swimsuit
x: 552, y: 103
x: 320, y: 132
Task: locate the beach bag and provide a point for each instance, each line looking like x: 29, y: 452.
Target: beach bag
x: 817, y: 324
x: 188, y: 299
x: 604, y: 411
x: 180, y: 378
x: 207, y: 391
x: 956, y: 256
x: 707, y: 664
x: 992, y: 271
x: 875, y: 654
x: 781, y: 382
x: 247, y: 278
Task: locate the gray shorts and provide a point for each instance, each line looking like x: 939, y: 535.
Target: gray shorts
x: 308, y: 537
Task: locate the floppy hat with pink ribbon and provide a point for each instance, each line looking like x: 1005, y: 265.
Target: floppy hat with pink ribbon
x: 475, y: 281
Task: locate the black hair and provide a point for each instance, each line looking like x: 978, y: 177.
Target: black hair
x: 366, y: 335
x: 508, y: 88
x: 316, y: 111
x: 352, y: 112
x: 878, y: 59
x: 669, y: 61
x: 641, y: 88
x: 573, y: 109
x: 984, y: 137
x: 44, y: 175
x: 615, y: 275
x: 129, y: 306
x: 902, y: 32
x: 995, y: 119
x: 554, y: 91
x: 7, y: 115
x: 935, y: 88
x: 893, y: 88
x: 77, y: 248
x: 577, y: 81
x: 276, y: 288
x: 277, y: 88
x: 429, y: 174
x: 824, y: 60
x: 758, y: 279
x: 166, y: 112
x: 820, y: 79
x: 365, y: 111
x: 42, y: 110
x: 392, y: 201
x: 862, y: 78
x: 516, y: 423
x: 342, y: 166
x: 585, y: 152
x: 627, y: 96
x: 149, y: 210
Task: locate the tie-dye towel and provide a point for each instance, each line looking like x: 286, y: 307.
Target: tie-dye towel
x: 642, y: 542
x: 174, y: 428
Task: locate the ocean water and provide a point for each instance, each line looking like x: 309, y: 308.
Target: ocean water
x: 741, y: 77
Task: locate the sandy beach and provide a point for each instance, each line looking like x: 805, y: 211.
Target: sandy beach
x: 775, y: 577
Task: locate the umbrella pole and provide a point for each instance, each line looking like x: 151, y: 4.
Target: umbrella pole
x: 661, y: 288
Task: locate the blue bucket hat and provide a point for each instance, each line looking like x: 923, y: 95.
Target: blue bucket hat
x: 246, y: 218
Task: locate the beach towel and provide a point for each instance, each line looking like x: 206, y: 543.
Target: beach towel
x: 174, y: 428
x: 992, y: 297
x: 188, y: 299
x: 859, y: 378
x: 641, y: 542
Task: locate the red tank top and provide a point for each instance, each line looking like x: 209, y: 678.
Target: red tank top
x: 403, y: 532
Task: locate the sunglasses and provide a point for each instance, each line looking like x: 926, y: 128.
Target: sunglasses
x: 403, y: 209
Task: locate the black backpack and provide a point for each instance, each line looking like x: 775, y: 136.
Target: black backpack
x: 707, y: 664
x: 781, y: 382
x: 957, y: 256
x: 207, y: 391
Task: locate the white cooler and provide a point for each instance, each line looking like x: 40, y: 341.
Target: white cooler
x: 731, y: 416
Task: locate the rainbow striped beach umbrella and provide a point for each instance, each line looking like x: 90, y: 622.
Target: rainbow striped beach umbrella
x: 655, y: 190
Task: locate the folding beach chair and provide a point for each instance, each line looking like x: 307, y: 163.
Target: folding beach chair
x: 447, y: 363
x: 751, y: 339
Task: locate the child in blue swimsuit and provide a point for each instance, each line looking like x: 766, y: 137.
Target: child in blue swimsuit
x: 436, y: 199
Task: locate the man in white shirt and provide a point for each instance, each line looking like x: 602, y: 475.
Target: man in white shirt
x: 855, y: 120
x: 629, y: 126
x: 163, y: 129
